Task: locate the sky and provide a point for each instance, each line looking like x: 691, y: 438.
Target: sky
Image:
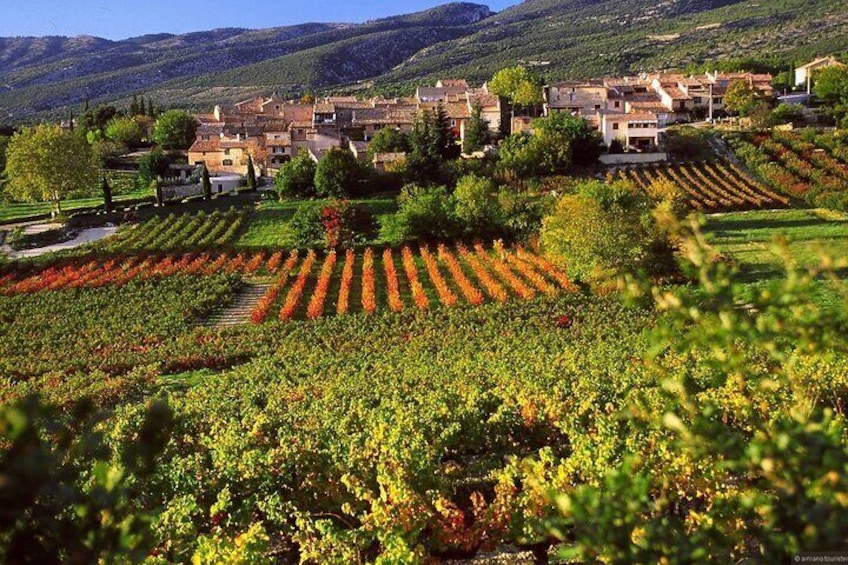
x: 120, y: 19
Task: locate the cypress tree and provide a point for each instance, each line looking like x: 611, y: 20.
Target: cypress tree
x: 150, y: 110
x: 251, y: 174
x: 207, y: 184
x: 444, y: 140
x: 142, y: 108
x: 476, y: 133
x: 134, y: 106
x: 107, y: 194
x: 157, y: 191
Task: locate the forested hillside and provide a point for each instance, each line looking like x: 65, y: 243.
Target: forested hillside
x: 561, y: 39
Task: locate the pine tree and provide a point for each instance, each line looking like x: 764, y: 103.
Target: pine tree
x: 207, y: 184
x: 476, y: 133
x: 443, y: 138
x: 424, y: 161
x: 150, y: 110
x: 142, y: 109
x: 107, y: 194
x: 134, y: 106
x: 251, y: 174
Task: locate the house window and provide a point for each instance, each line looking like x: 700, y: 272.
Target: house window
x: 617, y: 104
x: 597, y: 106
x: 698, y: 100
x: 226, y: 151
x: 615, y: 126
x: 453, y: 123
x: 228, y: 162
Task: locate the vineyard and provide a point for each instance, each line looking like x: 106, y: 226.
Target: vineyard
x: 809, y: 165
x: 302, y: 284
x: 180, y: 232
x: 710, y: 187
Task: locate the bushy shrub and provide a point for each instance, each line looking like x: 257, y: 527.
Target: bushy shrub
x: 600, y: 231
x: 332, y: 224
x: 339, y: 174
x: 296, y: 178
x: 424, y: 213
x: 307, y: 225
x: 477, y: 206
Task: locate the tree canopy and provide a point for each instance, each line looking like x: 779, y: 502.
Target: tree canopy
x: 518, y: 85
x: 296, y: 178
x: 175, y: 129
x: 476, y: 132
x: 389, y: 140
x: 47, y: 164
x: 338, y: 174
x: 125, y: 130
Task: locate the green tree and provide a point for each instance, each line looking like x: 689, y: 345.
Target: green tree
x: 600, y: 231
x: 134, y: 109
x: 4, y: 144
x: 519, y: 157
x: 518, y: 86
x: 476, y: 132
x: 477, y: 206
x: 740, y: 98
x: 296, y: 178
x: 388, y: 140
x: 424, y: 213
x: 831, y: 85
x: 251, y: 174
x: 106, y: 188
x: 175, y: 129
x: 442, y: 135
x: 96, y: 119
x: 206, y: 183
x: 126, y: 130
x: 338, y: 174
x: 424, y: 162
x: 585, y: 142
x: 46, y: 164
x: 152, y: 166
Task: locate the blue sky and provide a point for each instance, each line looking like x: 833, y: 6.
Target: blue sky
x: 129, y: 18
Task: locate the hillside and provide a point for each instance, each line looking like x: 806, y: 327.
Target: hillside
x: 571, y: 38
x: 38, y: 75
x: 591, y: 38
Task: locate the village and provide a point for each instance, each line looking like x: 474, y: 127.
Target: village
x: 631, y: 111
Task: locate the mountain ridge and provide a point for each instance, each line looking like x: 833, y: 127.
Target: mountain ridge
x: 42, y: 77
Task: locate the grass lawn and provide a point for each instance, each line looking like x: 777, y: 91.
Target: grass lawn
x: 750, y: 237
x: 11, y: 211
x: 269, y: 226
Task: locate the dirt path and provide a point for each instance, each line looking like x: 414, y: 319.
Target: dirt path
x: 85, y: 236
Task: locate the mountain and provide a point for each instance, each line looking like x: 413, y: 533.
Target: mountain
x: 38, y: 75
x: 594, y: 38
x: 560, y: 38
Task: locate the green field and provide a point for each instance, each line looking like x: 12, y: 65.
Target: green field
x: 269, y: 226
x: 13, y: 211
x: 752, y: 238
